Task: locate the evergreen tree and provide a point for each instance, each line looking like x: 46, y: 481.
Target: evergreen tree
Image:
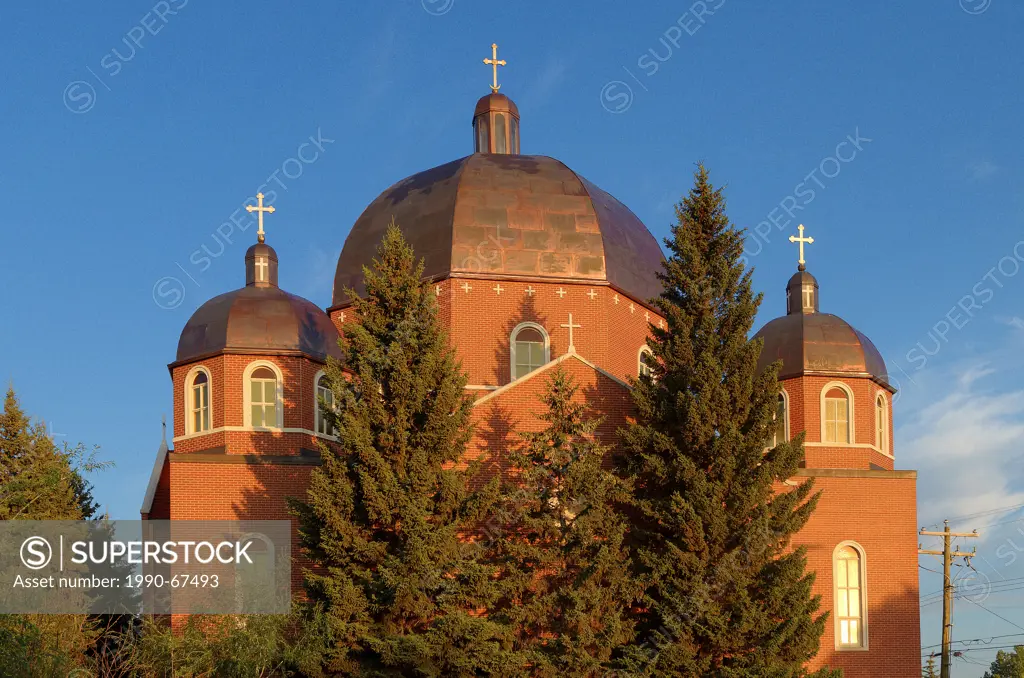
x: 1007, y: 664
x: 565, y: 571
x: 37, y: 479
x: 929, y: 668
x: 385, y: 514
x: 725, y: 596
x: 41, y: 481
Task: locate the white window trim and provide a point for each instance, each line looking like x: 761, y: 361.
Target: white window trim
x: 256, y: 536
x: 850, y: 410
x: 512, y: 345
x: 189, y: 426
x: 785, y: 405
x: 640, y: 358
x: 247, y: 395
x: 316, y: 406
x: 883, y: 444
x: 863, y: 596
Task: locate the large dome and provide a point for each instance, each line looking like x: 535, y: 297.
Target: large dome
x: 258, y: 318
x: 515, y: 216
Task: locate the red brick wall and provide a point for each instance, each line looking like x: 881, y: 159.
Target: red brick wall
x: 500, y: 419
x: 880, y: 515
x: 805, y: 414
x: 480, y: 322
x: 227, y: 406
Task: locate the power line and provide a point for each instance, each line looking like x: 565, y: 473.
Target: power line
x: 995, y: 615
x: 979, y: 514
x: 977, y: 640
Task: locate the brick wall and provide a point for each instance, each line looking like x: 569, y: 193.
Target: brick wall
x: 875, y: 509
x: 878, y: 511
x: 805, y: 414
x: 480, y: 318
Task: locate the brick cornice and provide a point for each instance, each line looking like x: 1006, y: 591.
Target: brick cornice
x: 854, y: 473
x: 304, y: 458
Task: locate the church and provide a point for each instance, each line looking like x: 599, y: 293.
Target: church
x: 534, y: 266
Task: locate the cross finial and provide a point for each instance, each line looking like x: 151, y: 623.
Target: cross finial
x: 260, y: 209
x: 493, y: 61
x: 571, y: 326
x: 801, y: 240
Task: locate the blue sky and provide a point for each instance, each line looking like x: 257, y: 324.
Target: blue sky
x: 134, y: 131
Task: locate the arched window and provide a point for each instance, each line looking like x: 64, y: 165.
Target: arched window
x: 499, y: 134
x: 256, y: 579
x: 197, y: 393
x: 515, y: 136
x: 530, y: 349
x: 324, y: 392
x: 645, y: 367
x: 850, y: 608
x: 481, y: 135
x: 881, y: 424
x: 837, y: 420
x: 263, y: 396
x: 781, y: 431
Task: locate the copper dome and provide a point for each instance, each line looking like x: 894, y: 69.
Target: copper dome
x: 258, y: 318
x: 517, y: 216
x: 820, y: 344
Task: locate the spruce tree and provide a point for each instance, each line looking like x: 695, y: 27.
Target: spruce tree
x: 929, y: 667
x: 41, y: 481
x: 726, y: 596
x: 38, y: 480
x: 565, y: 572
x: 386, y: 513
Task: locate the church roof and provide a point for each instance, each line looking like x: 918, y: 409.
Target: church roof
x: 810, y: 342
x: 258, y: 318
x: 508, y: 215
x: 820, y: 343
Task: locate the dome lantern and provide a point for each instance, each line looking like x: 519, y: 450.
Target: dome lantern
x: 802, y: 293
x: 496, y: 118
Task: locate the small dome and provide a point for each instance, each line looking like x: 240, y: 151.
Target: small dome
x: 517, y: 216
x: 258, y: 318
x: 820, y: 344
x: 813, y: 343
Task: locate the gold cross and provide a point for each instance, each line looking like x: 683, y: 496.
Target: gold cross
x: 260, y: 235
x: 801, y: 240
x: 493, y: 61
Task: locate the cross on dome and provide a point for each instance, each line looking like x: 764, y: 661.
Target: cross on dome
x: 802, y: 240
x: 493, y: 61
x: 260, y: 209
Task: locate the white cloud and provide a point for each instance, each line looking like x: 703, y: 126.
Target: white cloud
x: 980, y: 170
x: 966, y: 445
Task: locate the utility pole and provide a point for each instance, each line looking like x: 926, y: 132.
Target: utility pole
x: 947, y: 587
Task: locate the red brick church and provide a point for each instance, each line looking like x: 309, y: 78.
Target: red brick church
x: 534, y: 266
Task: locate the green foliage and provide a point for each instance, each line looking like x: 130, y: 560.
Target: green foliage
x: 929, y: 667
x: 38, y: 480
x: 1007, y: 664
x: 41, y: 481
x: 725, y: 595
x: 226, y: 645
x: 565, y: 572
x: 384, y: 514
